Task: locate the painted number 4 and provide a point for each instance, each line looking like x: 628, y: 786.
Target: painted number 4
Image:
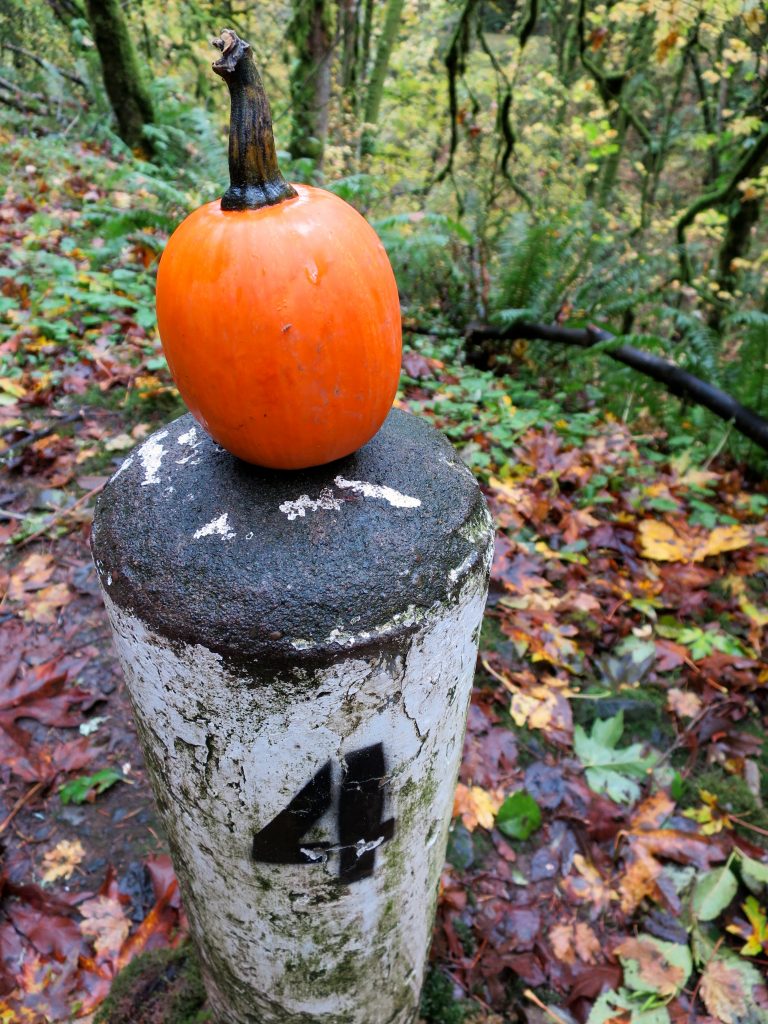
x: 360, y: 813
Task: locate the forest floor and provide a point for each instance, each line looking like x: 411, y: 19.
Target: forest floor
x: 608, y: 858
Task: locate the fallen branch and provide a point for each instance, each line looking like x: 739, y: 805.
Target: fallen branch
x: 47, y: 65
x: 678, y: 381
x: 60, y: 516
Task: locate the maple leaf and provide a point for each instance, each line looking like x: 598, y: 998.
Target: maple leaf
x: 477, y: 806
x: 104, y: 919
x: 608, y: 767
x: 570, y: 941
x: 61, y: 861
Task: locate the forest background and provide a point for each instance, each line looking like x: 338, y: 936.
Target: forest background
x: 572, y: 195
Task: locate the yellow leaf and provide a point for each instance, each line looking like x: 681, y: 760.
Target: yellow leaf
x: 662, y: 543
x: 12, y: 387
x: 62, y: 860
x: 476, y: 806
x: 726, y: 538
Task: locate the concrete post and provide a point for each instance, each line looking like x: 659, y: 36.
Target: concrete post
x: 299, y: 648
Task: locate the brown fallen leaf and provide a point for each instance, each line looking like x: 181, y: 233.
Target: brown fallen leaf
x: 661, y: 975
x: 723, y: 993
x: 104, y: 919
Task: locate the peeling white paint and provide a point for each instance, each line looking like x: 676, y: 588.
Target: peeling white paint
x: 122, y: 467
x: 455, y: 574
x: 388, y: 494
x: 219, y: 527
x: 188, y: 437
x: 191, y: 439
x: 299, y: 507
x: 151, y: 455
x: 341, y: 637
x: 229, y: 756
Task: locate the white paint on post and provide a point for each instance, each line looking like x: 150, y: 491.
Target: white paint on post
x: 298, y: 508
x: 342, y: 936
x: 190, y: 439
x: 327, y: 500
x: 218, y: 527
x: 122, y: 467
x: 151, y: 455
x: 389, y: 494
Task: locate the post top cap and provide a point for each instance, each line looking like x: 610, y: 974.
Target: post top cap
x: 288, y: 568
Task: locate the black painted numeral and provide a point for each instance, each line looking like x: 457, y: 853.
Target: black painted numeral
x: 361, y: 829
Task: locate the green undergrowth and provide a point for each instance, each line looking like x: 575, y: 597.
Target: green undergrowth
x: 439, y: 1004
x: 160, y: 987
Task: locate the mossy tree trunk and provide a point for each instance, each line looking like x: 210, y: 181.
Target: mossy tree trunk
x: 312, y: 31
x: 385, y: 45
x: 123, y: 80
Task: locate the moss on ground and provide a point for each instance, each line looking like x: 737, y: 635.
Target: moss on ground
x: 161, y: 987
x: 733, y: 795
x: 438, y: 1003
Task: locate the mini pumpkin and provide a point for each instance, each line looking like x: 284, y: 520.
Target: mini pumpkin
x: 277, y: 305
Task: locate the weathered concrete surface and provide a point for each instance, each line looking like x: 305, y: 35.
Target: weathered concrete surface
x: 304, y: 747
x: 256, y: 563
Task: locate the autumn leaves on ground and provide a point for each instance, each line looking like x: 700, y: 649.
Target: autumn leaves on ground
x: 608, y: 857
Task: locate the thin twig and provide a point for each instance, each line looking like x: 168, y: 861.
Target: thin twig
x: 24, y: 799
x: 550, y: 1013
x: 63, y: 514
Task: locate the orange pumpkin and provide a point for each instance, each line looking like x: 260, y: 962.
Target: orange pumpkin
x: 277, y: 306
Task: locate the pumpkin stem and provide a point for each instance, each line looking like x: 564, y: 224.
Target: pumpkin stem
x: 254, y: 176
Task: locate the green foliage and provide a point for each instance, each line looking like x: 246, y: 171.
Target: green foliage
x: 160, y: 987
x: 87, y: 787
x: 713, y: 892
x: 430, y: 253
x: 611, y: 769
x: 438, y: 1004
x: 519, y: 816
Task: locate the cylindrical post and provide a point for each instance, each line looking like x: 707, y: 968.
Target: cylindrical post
x: 299, y: 649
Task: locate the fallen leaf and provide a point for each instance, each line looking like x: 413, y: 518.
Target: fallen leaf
x: 105, y: 921
x: 663, y: 543
x: 476, y: 806
x: 723, y: 991
x: 683, y: 703
x: 651, y: 965
x: 61, y: 861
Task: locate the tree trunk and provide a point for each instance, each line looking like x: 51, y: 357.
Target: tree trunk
x: 123, y: 80
x: 312, y: 33
x: 349, y: 22
x: 384, y: 49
